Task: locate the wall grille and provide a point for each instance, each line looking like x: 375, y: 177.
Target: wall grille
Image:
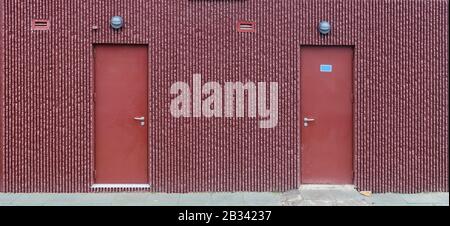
x: 245, y: 26
x: 41, y: 25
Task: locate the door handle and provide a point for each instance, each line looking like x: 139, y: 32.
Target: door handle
x: 306, y: 120
x: 141, y: 119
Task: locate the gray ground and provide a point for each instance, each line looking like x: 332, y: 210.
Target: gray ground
x: 305, y: 196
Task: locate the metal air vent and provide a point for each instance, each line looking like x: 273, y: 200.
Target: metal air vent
x: 41, y: 25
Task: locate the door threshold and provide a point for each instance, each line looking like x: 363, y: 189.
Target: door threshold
x: 120, y: 186
x: 327, y: 186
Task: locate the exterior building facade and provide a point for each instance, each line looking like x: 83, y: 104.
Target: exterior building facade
x: 59, y: 59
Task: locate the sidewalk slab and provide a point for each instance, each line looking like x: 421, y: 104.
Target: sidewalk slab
x: 305, y: 196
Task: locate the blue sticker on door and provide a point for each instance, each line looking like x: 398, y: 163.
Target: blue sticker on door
x: 326, y: 68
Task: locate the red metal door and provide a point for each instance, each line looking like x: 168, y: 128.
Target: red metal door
x: 121, y: 109
x: 326, y: 115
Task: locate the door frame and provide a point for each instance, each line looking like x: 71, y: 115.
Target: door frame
x: 93, y: 185
x: 300, y: 113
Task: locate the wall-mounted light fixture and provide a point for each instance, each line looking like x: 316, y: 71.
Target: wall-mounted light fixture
x: 116, y: 22
x: 324, y: 27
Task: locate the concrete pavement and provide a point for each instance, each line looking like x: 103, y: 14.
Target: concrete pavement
x: 305, y: 196
x: 330, y: 195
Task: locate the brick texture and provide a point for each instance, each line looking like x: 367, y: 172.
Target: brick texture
x: 400, y: 89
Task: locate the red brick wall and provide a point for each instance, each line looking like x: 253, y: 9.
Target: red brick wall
x: 400, y: 88
x: 1, y: 94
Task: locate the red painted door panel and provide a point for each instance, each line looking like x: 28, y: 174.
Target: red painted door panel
x: 121, y: 141
x: 326, y: 115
